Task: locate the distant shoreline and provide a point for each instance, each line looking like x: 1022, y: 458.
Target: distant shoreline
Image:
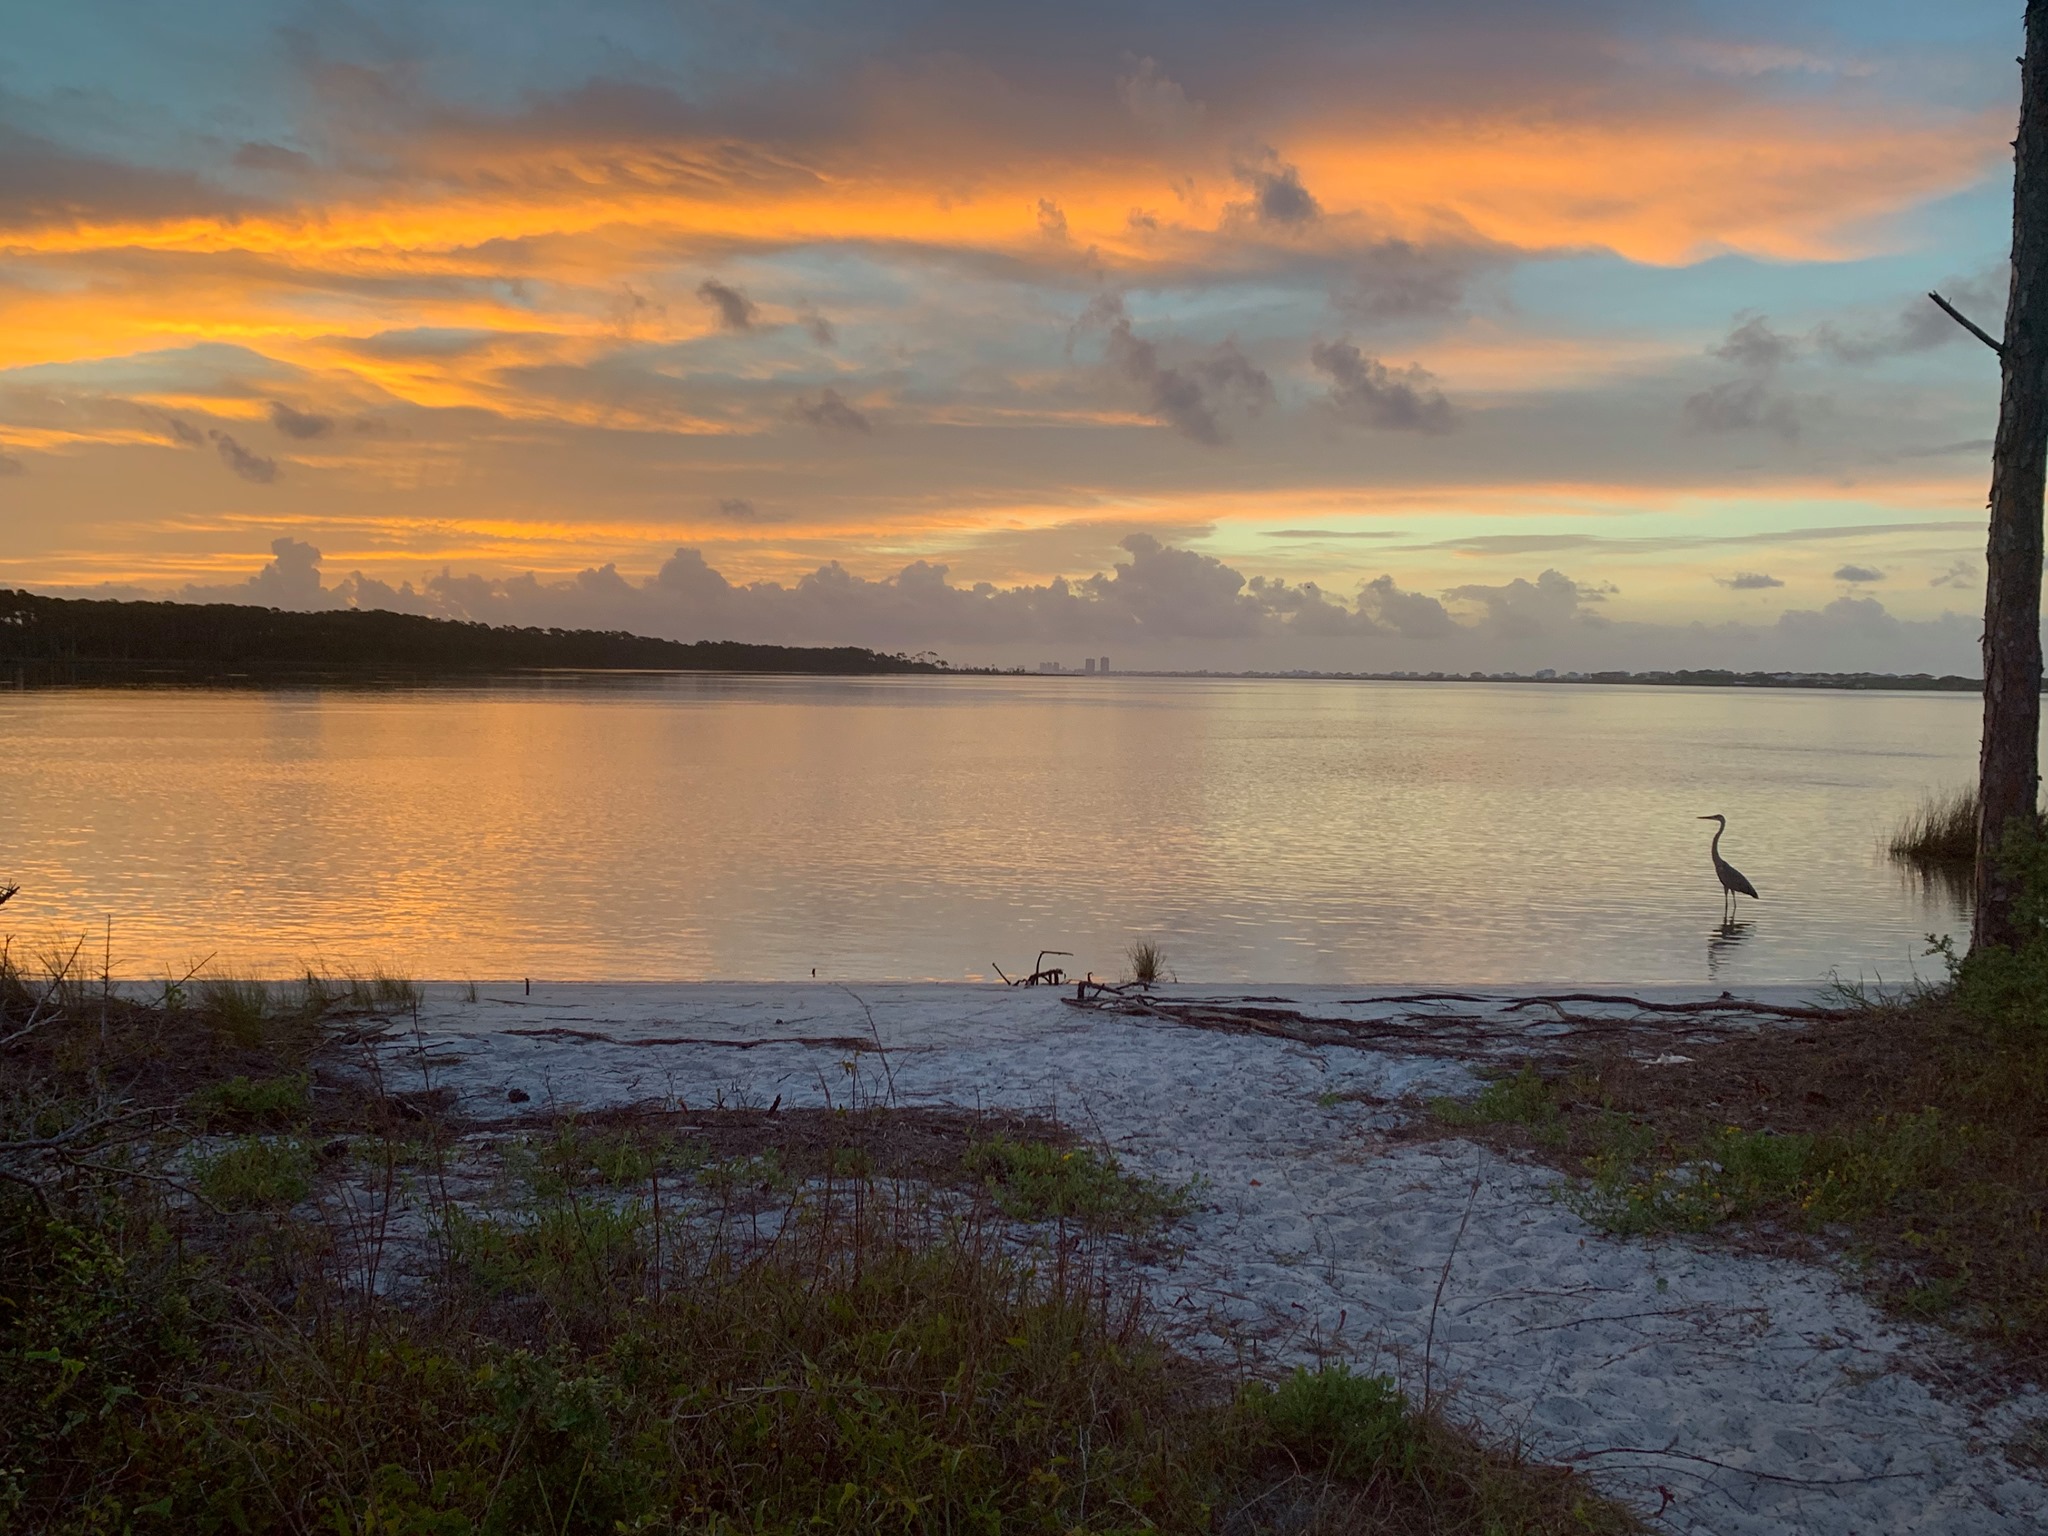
x: 55, y: 641
x: 87, y: 640
x: 1867, y: 682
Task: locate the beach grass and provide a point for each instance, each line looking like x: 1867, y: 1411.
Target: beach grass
x: 1940, y: 832
x: 242, y: 1287
x: 1908, y: 1138
x: 1147, y: 962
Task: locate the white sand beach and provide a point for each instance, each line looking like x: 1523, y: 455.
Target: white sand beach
x: 1719, y: 1392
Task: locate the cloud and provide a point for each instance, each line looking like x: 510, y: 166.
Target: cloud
x: 1412, y: 615
x: 253, y: 467
x: 1754, y: 345
x: 1335, y: 533
x: 1191, y: 397
x: 735, y: 311
x: 1961, y: 574
x: 817, y: 326
x: 830, y: 413
x: 1742, y: 405
x: 1157, y: 102
x: 10, y: 465
x: 1918, y: 326
x: 42, y: 182
x: 1528, y: 610
x: 1400, y: 280
x: 1748, y: 581
x: 272, y: 157
x: 1278, y: 197
x: 1366, y: 392
x: 303, y: 425
x: 1858, y: 573
x: 1052, y: 223
x: 182, y: 431
x: 289, y: 579
x: 737, y: 509
x: 1157, y: 600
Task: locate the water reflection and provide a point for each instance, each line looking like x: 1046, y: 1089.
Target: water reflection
x: 1723, y: 941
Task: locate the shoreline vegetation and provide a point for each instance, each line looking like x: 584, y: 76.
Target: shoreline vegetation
x: 80, y: 641
x: 1903, y: 1141
x: 249, y: 1280
x: 1940, y: 833
x: 72, y: 640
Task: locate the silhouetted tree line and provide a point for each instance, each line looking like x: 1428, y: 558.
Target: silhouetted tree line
x: 215, y: 638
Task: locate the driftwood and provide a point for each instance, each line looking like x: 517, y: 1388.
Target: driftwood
x: 594, y: 1037
x: 1564, y: 1034
x: 1041, y: 975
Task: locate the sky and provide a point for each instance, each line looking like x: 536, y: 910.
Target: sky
x: 1356, y: 336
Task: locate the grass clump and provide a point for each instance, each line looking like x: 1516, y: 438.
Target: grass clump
x: 1043, y: 1181
x: 1147, y: 961
x: 243, y: 1103
x: 1522, y: 1098
x: 254, y: 1175
x: 1940, y: 831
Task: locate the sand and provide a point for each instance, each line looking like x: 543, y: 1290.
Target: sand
x: 1717, y: 1391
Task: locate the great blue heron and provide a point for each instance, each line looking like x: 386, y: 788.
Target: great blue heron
x: 1732, y: 879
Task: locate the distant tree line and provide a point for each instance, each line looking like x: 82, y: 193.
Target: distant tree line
x: 92, y: 636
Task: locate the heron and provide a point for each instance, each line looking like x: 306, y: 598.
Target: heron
x: 1732, y: 879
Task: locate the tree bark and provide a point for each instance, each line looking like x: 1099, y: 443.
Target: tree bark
x: 2008, y: 783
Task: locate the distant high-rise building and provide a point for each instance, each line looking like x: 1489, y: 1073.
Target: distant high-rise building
x: 1048, y: 666
x: 1102, y: 665
x: 1088, y: 665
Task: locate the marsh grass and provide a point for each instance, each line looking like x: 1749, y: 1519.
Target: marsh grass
x: 1939, y: 832
x: 749, y: 1323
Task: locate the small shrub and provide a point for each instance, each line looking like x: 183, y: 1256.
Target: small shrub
x: 255, y: 1175
x: 2008, y: 988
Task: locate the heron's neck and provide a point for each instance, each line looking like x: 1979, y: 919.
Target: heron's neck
x: 1714, y: 848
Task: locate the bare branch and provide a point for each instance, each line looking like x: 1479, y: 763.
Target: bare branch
x: 1967, y: 324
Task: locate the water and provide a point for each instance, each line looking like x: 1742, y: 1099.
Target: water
x: 710, y: 826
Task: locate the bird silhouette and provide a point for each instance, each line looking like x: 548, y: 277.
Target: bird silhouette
x: 1732, y: 879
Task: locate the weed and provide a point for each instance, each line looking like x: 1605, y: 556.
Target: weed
x: 582, y: 1365
x: 1522, y: 1099
x: 244, y: 1104
x: 236, y: 1009
x: 1039, y: 1181
x: 255, y: 1174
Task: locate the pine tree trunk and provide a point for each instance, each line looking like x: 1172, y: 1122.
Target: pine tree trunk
x: 2009, y: 767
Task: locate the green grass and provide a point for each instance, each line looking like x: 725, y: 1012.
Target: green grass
x: 255, y: 1174
x: 1041, y: 1181
x: 612, y: 1330
x: 1521, y: 1099
x: 242, y: 1103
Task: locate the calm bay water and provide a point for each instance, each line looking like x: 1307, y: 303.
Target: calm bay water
x: 711, y: 826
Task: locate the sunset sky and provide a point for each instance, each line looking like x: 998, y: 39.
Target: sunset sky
x: 1350, y: 335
